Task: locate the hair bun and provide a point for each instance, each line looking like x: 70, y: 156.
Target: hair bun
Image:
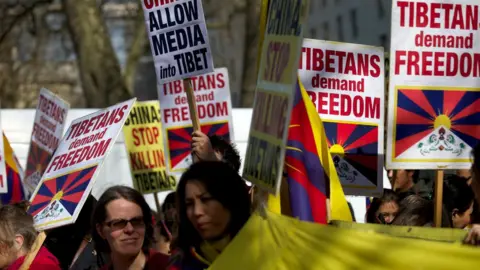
x: 22, y: 205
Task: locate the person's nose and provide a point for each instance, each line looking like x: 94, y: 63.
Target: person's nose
x: 198, y: 209
x: 128, y: 228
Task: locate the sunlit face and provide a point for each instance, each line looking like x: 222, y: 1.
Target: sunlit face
x: 461, y: 220
x: 209, y: 217
x: 124, y: 228
x: 388, y: 210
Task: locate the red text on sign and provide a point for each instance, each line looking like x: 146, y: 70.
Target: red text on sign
x: 438, y: 15
x: 346, y: 105
x: 156, y: 3
x: 102, y: 120
x: 276, y: 61
x: 428, y: 63
x: 145, y: 135
x: 86, y: 153
x: 272, y: 112
x: 206, y: 82
x: 210, y: 110
x: 343, y: 62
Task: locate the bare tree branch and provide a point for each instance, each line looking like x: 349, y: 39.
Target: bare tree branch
x: 25, y: 10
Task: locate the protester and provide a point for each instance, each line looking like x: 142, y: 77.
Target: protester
x: 213, y: 205
x: 474, y: 234
x: 214, y: 148
x: 414, y: 211
x: 383, y: 210
x: 458, y: 201
x: 406, y: 183
x: 17, y: 235
x: 123, y: 228
x: 166, y: 225
x: 73, y: 245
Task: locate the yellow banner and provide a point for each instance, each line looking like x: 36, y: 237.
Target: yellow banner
x: 144, y: 142
x: 280, y: 242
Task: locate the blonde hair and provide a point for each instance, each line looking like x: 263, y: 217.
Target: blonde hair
x: 15, y: 220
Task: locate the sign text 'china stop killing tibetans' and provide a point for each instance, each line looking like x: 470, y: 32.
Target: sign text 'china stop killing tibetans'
x: 276, y: 84
x: 178, y: 38
x: 144, y: 143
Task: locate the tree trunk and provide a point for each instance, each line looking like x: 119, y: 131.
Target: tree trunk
x: 251, y: 53
x: 100, y: 73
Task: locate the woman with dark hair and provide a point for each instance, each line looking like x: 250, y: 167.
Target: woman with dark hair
x: 414, y: 211
x: 17, y: 235
x: 213, y: 205
x: 122, y: 222
x: 458, y: 201
x: 73, y: 245
x: 383, y: 210
x: 166, y: 225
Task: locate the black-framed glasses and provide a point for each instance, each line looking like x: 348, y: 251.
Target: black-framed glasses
x: 120, y: 224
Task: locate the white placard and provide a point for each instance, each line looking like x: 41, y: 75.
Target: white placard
x: 71, y: 173
x: 346, y: 84
x: 434, y: 91
x: 178, y: 38
x: 214, y: 109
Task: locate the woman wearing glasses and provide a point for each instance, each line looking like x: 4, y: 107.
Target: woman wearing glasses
x: 122, y: 223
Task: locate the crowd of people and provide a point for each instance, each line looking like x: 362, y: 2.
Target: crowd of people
x: 197, y: 221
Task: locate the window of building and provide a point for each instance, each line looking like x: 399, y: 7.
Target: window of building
x: 339, y: 28
x: 353, y: 20
x: 326, y: 31
x: 381, y: 9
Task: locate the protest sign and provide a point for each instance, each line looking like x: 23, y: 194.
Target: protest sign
x: 434, y: 92
x: 214, y: 109
x: 346, y: 84
x: 3, y: 170
x: 71, y: 173
x: 14, y: 175
x: 277, y: 79
x: 178, y: 38
x: 46, y: 134
x: 144, y: 142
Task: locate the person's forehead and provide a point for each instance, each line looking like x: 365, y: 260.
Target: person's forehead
x: 122, y: 209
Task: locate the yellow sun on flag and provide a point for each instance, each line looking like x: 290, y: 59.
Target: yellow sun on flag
x: 57, y: 196
x: 442, y: 120
x: 337, y: 149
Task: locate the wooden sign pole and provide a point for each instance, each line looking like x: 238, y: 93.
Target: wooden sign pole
x: 438, y: 198
x: 192, y: 105
x: 33, y: 251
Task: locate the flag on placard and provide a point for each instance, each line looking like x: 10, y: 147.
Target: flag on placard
x: 14, y: 176
x: 311, y: 174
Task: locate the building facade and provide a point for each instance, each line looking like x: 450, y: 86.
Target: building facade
x: 354, y: 21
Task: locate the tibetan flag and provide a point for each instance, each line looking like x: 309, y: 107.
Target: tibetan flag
x: 14, y: 176
x: 311, y: 174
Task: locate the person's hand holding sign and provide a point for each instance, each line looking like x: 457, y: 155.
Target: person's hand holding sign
x: 202, y: 149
